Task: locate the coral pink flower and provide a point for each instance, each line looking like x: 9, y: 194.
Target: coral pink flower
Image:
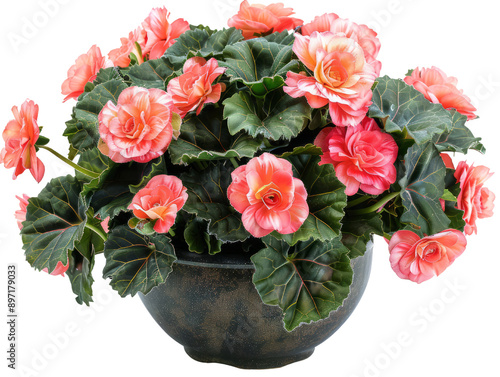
x: 83, y: 71
x: 161, y: 34
x: 20, y: 214
x: 256, y: 19
x: 342, y: 78
x: 419, y: 259
x: 160, y: 200
x: 20, y: 136
x: 268, y: 196
x: 474, y: 199
x: 362, y: 34
x: 138, y: 127
x: 121, y: 56
x: 59, y: 270
x: 105, y: 224
x: 439, y: 88
x: 448, y: 162
x: 363, y: 156
x: 191, y: 90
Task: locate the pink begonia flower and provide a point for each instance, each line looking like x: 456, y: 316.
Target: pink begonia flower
x: 267, y: 195
x: 161, y: 34
x: 104, y: 224
x: 362, y: 34
x: 419, y: 259
x: 474, y: 199
x: 20, y: 214
x: 83, y: 71
x: 363, y: 156
x: 439, y: 88
x: 342, y: 78
x: 160, y: 200
x: 59, y: 270
x: 121, y: 56
x: 256, y: 19
x: 20, y: 136
x: 138, y: 128
x: 193, y: 89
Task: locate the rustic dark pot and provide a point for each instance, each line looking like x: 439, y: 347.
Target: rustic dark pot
x: 210, y: 306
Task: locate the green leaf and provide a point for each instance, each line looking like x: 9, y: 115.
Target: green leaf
x: 137, y: 263
x: 308, y: 149
x: 422, y: 187
x: 153, y: 73
x: 95, y: 161
x: 107, y: 74
x: 259, y: 64
x: 357, y: 232
x: 307, y: 281
x: 80, y: 275
x: 448, y: 196
x: 285, y: 38
x: 55, y: 221
x: 403, y: 108
x: 326, y: 199
x: 83, y: 129
x: 206, y: 137
x: 207, y: 191
x: 199, y: 42
x: 280, y: 117
x: 198, y: 239
x: 150, y: 169
x: 459, y: 138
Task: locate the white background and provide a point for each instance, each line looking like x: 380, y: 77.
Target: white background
x: 459, y: 335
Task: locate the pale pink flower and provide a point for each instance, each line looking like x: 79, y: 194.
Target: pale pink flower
x: 20, y: 136
x: 362, y: 34
x: 474, y: 199
x: 267, y: 195
x: 194, y: 88
x: 138, y: 127
x: 363, y: 156
x: 342, y: 78
x: 121, y: 56
x: 255, y: 20
x: 20, y: 214
x: 161, y: 34
x: 419, y: 259
x: 437, y: 87
x: 160, y: 200
x: 83, y: 71
x: 59, y: 270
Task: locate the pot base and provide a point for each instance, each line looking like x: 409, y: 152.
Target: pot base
x: 257, y: 363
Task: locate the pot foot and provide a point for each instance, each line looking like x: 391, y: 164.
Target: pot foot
x: 248, y: 363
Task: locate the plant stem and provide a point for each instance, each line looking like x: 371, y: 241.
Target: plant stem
x: 357, y: 201
x: 81, y: 169
x: 375, y: 207
x: 387, y: 236
x: 234, y: 162
x: 96, y: 231
x: 171, y: 232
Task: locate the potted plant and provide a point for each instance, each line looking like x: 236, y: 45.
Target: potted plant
x: 277, y: 140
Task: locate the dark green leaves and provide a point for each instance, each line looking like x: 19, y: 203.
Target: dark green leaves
x: 325, y: 196
x: 206, y: 137
x: 198, y: 240
x: 422, y: 187
x: 83, y: 129
x: 403, y: 108
x: 459, y: 138
x: 307, y: 281
x: 207, y: 192
x: 137, y: 263
x: 259, y: 64
x: 279, y: 117
x: 55, y: 221
x: 198, y: 42
x: 153, y: 73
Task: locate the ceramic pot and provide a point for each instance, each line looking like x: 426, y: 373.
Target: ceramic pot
x: 211, y: 307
